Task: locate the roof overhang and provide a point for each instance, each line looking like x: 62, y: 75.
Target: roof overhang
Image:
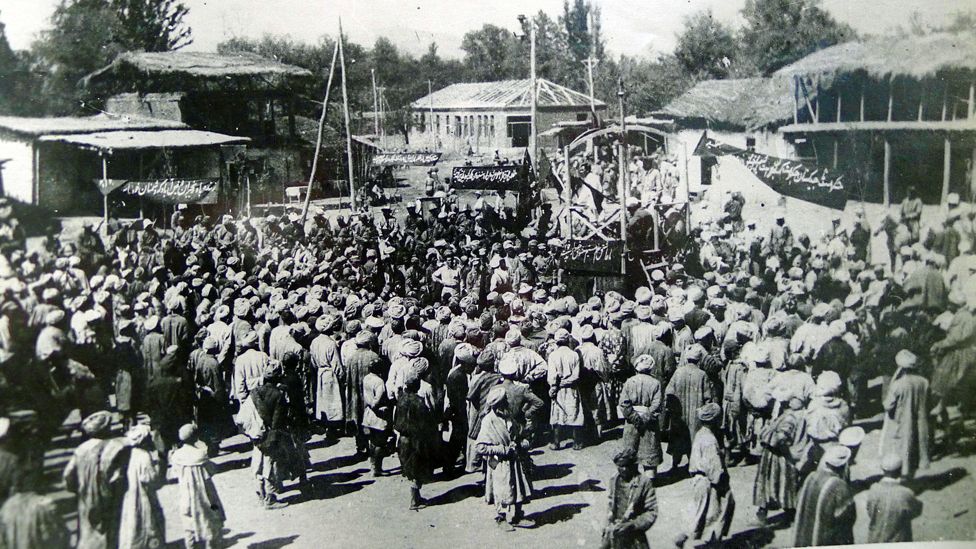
x: 947, y: 126
x: 136, y: 140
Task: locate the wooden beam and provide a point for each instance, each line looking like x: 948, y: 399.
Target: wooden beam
x: 104, y: 196
x: 816, y: 99
x: 836, y: 143
x: 839, y: 105
x: 946, y: 166
x: 945, y: 95
x: 887, y: 173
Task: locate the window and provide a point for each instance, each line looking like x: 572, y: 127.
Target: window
x: 457, y: 125
x: 422, y: 122
x: 438, y: 127
x: 582, y: 116
x: 751, y: 143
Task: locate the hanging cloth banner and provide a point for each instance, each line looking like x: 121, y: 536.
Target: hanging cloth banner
x: 492, y: 178
x: 794, y: 178
x: 175, y: 191
x: 593, y: 256
x: 406, y: 159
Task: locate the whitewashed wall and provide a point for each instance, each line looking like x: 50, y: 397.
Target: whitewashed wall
x: 18, y: 173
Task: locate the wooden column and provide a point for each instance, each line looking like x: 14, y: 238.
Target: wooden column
x: 839, y: 105
x: 891, y: 96
x: 104, y: 195
x: 862, y: 104
x: 946, y: 166
x: 836, y: 146
x: 972, y: 99
x: 568, y: 190
x: 887, y: 172
x: 796, y: 99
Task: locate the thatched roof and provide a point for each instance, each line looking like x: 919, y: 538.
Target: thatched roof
x: 743, y: 104
x: 183, y: 70
x: 914, y: 56
x: 35, y: 127
x: 503, y: 94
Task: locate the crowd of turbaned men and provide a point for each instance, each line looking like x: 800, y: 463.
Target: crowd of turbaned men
x: 448, y: 341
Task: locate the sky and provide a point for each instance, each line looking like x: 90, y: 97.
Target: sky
x: 631, y: 27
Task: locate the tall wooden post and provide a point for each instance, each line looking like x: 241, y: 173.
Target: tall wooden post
x: 838, y: 105
x: 891, y: 96
x: 972, y: 100
x: 836, y: 147
x: 887, y: 172
x: 345, y: 105
x: 104, y: 195
x: 796, y: 99
x: 318, y: 139
x: 946, y: 169
x: 568, y: 191
x: 376, y: 103
x: 535, y: 92
x: 862, y: 104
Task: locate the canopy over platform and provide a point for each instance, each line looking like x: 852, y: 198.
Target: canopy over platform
x: 134, y: 140
x: 504, y: 94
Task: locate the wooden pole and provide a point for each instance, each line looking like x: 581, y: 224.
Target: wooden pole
x: 568, y: 190
x: 836, y: 146
x: 972, y: 99
x: 104, y: 195
x: 535, y: 90
x: 796, y: 99
x: 816, y: 100
x: 376, y: 108
x: 345, y: 107
x: 318, y: 139
x: 839, y: 105
x: 891, y: 96
x: 946, y: 166
x: 945, y: 94
x: 887, y: 172
x: 862, y: 103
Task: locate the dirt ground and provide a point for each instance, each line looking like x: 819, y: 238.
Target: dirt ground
x: 352, y: 509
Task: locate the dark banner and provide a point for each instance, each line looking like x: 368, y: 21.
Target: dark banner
x: 492, y: 178
x: 175, y: 191
x: 793, y: 178
x: 593, y: 256
x: 406, y: 159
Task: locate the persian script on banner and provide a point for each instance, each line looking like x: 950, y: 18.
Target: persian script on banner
x: 406, y: 159
x: 593, y: 256
x: 174, y: 191
x: 493, y: 178
x: 798, y: 179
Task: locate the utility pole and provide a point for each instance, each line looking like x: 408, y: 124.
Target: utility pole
x: 535, y: 90
x: 623, y: 134
x: 430, y: 102
x: 318, y: 138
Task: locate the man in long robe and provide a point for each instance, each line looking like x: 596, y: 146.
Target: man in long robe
x: 633, y: 505
x: 249, y: 367
x: 502, y: 446
x: 563, y: 378
x: 784, y: 445
x: 713, y: 505
x: 480, y: 383
x: 417, y: 427
x: 687, y: 391
x: 96, y: 474
x: 891, y: 506
x: 324, y: 356
x: 825, y: 511
x: 641, y: 403
x: 906, y: 422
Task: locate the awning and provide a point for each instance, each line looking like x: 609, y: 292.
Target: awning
x: 135, y: 140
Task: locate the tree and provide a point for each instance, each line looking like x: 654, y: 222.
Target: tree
x: 86, y: 35
x: 779, y: 32
x: 581, y: 25
x: 153, y: 25
x: 706, y: 48
x: 488, y: 54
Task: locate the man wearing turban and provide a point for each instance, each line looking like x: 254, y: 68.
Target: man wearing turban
x: 633, y: 504
x: 712, y: 504
x: 503, y: 448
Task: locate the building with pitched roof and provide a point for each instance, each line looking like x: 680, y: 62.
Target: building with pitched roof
x: 494, y: 115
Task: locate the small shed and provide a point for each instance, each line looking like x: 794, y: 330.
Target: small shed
x: 61, y: 163
x: 495, y: 115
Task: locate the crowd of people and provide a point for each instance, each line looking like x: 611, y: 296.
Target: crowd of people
x: 447, y: 338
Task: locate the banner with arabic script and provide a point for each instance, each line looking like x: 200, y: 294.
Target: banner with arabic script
x: 492, y: 178
x: 174, y: 191
x: 802, y: 180
x: 793, y: 178
x: 593, y: 255
x: 406, y: 159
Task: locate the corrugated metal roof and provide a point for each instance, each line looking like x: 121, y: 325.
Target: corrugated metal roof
x: 35, y: 127
x: 503, y: 94
x: 201, y: 63
x: 161, y: 139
